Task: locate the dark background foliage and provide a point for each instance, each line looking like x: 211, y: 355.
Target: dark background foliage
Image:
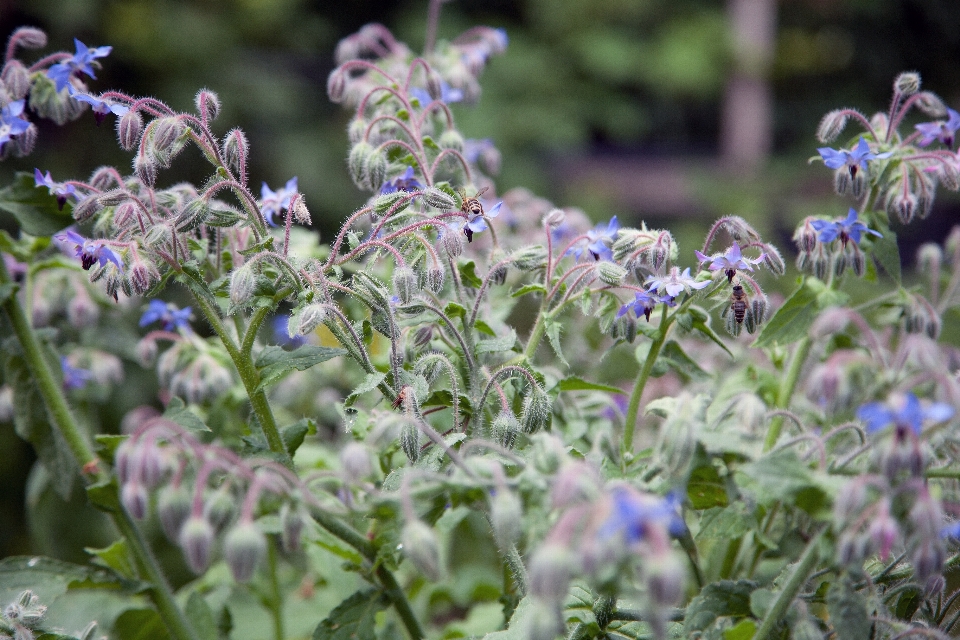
x: 611, y: 105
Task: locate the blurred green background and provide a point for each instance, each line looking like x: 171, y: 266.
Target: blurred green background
x: 672, y: 111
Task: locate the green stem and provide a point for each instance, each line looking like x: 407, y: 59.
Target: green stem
x: 250, y: 378
x: 62, y: 418
x: 536, y: 335
x: 790, y: 589
x: 276, y: 597
x: 633, y: 408
x: 369, y: 551
x: 787, y: 387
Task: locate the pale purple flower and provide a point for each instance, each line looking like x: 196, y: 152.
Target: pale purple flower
x: 12, y: 122
x: 74, y: 377
x: 406, y: 182
x: 99, y: 106
x: 89, y: 251
x: 675, y: 282
x: 80, y: 62
x: 904, y: 412
x: 854, y: 159
x: 598, y: 241
x: 848, y: 229
x: 476, y: 223
x: 60, y: 190
x: 730, y: 262
x: 643, y: 305
x: 448, y: 94
x: 273, y: 202
x: 632, y: 513
x: 167, y: 314
x: 945, y: 132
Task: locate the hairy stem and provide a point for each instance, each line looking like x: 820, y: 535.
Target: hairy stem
x: 790, y: 589
x: 633, y: 408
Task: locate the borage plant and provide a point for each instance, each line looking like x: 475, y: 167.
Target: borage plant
x: 471, y: 370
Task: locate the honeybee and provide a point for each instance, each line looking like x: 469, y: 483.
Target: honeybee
x: 472, y: 207
x: 738, y: 303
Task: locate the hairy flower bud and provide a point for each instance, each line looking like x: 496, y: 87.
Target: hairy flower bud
x: 506, y: 515
x: 357, y: 163
x: 421, y: 547
x: 375, y: 171
x: 336, y: 85
x: 907, y: 83
x: 554, y: 218
x: 146, y: 170
x: 165, y: 133
x: 841, y: 180
x: 244, y: 548
x: 949, y: 175
x: 29, y: 38
x: 292, y: 527
x: 435, y: 278
x: 355, y: 462
x: 931, y: 104
x: 929, y: 256
x: 410, y: 440
x: 219, y: 509
x: 196, y: 540
x: 831, y: 125
x: 610, y: 273
x: 173, y: 509
x: 451, y: 139
x: 135, y: 499
x: 405, y: 283
x: 236, y: 147
x: 928, y: 560
x: 439, y: 199
x: 530, y: 257
x: 451, y: 242
x: 208, y: 104
x: 16, y: 78
x: 193, y: 214
x: 309, y: 318
x: 504, y: 429
x: 550, y: 570
x: 536, y: 410
x: 129, y: 128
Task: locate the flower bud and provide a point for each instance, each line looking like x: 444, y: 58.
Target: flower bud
x: 422, y: 336
x: 758, y: 307
x: 821, y: 263
x: 336, y: 85
x: 907, y: 83
x: 196, y: 539
x: 421, y: 548
x: 292, y: 524
x: 244, y: 548
x: 29, y: 38
x: 166, y: 131
x: 451, y: 242
x: 548, y: 453
x: 301, y: 215
x: 129, y: 127
x: 375, y: 171
x: 733, y: 327
x: 146, y: 170
x: 856, y: 259
x: 506, y: 514
x: 16, y: 78
x: 243, y: 283
x: 173, y: 509
x: 219, y: 509
x: 831, y: 126
x: 357, y: 163
x: 841, y: 180
x: 355, y: 461
x: 135, y: 499
x: 610, y: 273
x: 451, y: 139
x: 435, y: 278
x: 530, y: 257
x: 949, y: 175
x: 504, y: 428
x: 309, y: 318
x: 439, y: 199
x: 208, y: 104
x: 929, y: 256
x: 774, y: 260
x: 113, y: 197
x: 434, y: 85
x: 194, y: 214
x: 931, y: 104
x: 24, y: 143
x: 410, y: 439
x: 928, y: 560
x: 235, y: 150
x: 858, y: 183
x: 554, y: 218
x: 624, y: 328
x: 550, y: 571
x: 405, y: 283
x: 146, y: 352
x: 536, y: 410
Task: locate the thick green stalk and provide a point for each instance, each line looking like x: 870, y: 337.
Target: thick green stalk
x: 633, y: 408
x: 787, y: 387
x: 62, y: 419
x: 790, y: 589
x: 369, y: 551
x: 276, y: 596
x: 250, y: 378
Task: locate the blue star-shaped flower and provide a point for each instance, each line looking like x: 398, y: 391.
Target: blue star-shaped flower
x: 848, y: 229
x: 730, y: 261
x: 643, y: 305
x: 89, y: 251
x: 406, y: 182
x: 80, y: 62
x: 281, y: 333
x: 273, y: 202
x: 904, y: 412
x: 100, y: 107
x: 854, y: 159
x: 632, y: 513
x: 448, y: 94
x: 61, y: 191
x: 675, y: 282
x: 167, y: 314
x: 598, y: 241
x: 74, y: 377
x: 476, y: 223
x: 12, y: 123
x: 945, y: 132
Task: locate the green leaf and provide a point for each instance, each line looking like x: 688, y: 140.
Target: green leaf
x: 371, y: 382
x: 573, y: 383
x: 702, y: 326
x: 36, y: 211
x: 553, y: 328
x: 783, y: 477
x: 354, y: 618
x: 483, y: 327
x: 32, y: 423
x: 178, y: 412
x: 274, y: 362
x: 677, y: 359
x: 50, y: 578
x: 201, y: 617
x: 530, y: 288
x: 293, y: 434
x: 468, y: 274
x: 7, y: 290
x: 706, y: 488
x: 726, y: 523
x: 116, y: 557
x: 504, y: 343
x: 105, y: 495
x: 519, y: 623
x: 743, y: 631
x: 191, y: 276
x: 848, y: 611
x: 454, y: 310
x: 885, y: 251
x: 791, y: 321
x: 139, y: 624
x: 726, y: 598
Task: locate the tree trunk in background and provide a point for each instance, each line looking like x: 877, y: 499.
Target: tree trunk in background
x: 746, y: 128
